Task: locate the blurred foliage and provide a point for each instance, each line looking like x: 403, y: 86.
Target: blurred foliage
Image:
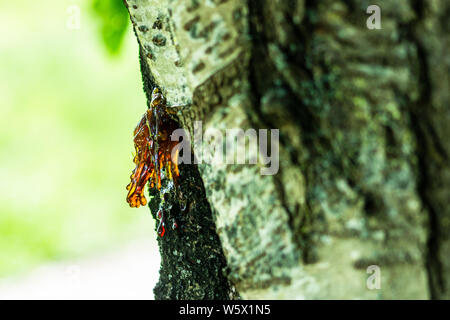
x: 66, y: 120
x: 114, y: 18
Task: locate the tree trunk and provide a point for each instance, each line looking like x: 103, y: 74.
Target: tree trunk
x: 363, y: 117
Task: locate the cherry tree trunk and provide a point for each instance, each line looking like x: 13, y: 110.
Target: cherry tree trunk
x: 360, y: 205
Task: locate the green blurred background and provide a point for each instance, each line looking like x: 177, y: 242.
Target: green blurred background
x: 70, y: 99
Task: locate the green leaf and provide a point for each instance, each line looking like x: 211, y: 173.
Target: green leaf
x: 114, y: 18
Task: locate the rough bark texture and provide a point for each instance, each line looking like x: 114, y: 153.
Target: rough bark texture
x: 364, y: 173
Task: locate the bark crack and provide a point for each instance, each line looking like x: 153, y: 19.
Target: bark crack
x: 427, y: 144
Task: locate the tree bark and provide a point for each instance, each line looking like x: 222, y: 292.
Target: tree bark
x: 364, y: 174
